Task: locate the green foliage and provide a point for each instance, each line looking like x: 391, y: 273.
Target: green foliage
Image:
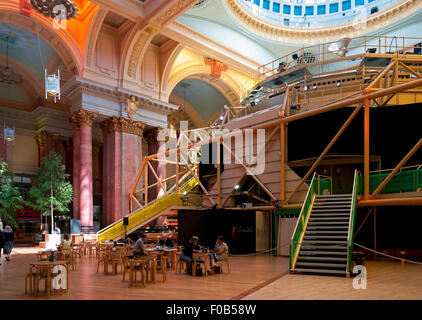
x: 10, y: 199
x: 53, y: 190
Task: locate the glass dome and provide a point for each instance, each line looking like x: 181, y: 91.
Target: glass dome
x: 314, y: 13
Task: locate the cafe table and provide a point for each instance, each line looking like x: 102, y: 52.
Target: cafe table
x: 46, y: 266
x: 204, y: 256
x: 171, y: 252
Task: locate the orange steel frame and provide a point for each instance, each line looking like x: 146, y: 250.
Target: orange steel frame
x: 380, y: 90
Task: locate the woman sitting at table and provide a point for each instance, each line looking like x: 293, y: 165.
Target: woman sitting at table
x: 221, y: 251
x: 187, y: 253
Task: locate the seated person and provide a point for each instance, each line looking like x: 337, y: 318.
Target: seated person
x: 221, y: 251
x: 166, y: 241
x: 187, y: 253
x: 66, y: 243
x: 139, y: 249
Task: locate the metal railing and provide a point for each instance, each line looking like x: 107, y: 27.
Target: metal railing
x: 352, y: 222
x: 296, y: 240
x: 323, y: 53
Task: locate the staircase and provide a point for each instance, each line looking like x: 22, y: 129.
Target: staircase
x: 142, y: 216
x: 322, y: 242
x: 324, y: 245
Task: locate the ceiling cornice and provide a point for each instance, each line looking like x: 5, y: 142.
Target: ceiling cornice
x: 271, y: 31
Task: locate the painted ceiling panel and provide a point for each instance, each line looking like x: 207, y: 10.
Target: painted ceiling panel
x: 12, y: 93
x: 24, y: 47
x: 206, y: 99
x: 230, y: 38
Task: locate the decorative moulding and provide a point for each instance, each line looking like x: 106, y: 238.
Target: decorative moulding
x: 282, y: 33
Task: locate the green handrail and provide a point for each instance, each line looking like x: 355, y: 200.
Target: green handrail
x: 301, y: 221
x: 356, y: 183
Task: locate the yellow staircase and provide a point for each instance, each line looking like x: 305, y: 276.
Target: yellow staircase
x: 142, y: 216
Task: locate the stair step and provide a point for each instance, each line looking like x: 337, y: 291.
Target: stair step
x: 324, y: 253
x: 310, y: 242
x: 318, y: 219
x: 311, y: 258
x: 328, y: 223
x: 319, y: 232
x: 337, y: 266
x: 320, y: 203
x: 317, y: 215
x: 345, y: 195
x: 327, y: 227
x: 317, y: 238
x: 305, y: 270
x: 318, y: 247
x: 324, y: 209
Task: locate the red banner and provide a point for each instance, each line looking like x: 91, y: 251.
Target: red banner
x: 25, y: 7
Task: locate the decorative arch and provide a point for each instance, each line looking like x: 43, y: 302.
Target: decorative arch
x: 227, y: 87
x: 92, y: 37
x: 187, y: 110
x: 168, y: 67
x: 134, y: 47
x: 60, y: 40
x: 32, y: 83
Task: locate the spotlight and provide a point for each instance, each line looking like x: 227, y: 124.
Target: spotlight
x: 339, y: 83
x: 314, y: 87
x: 221, y: 117
x: 295, y: 56
x: 185, y: 193
x: 305, y: 88
x: 237, y: 187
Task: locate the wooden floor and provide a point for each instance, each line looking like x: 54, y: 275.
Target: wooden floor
x: 248, y: 274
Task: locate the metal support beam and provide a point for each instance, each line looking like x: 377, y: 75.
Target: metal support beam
x: 316, y: 163
x: 366, y: 151
x: 397, y: 168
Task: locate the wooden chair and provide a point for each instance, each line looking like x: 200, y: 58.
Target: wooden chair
x: 43, y: 255
x: 116, y: 259
x: 68, y: 255
x: 136, y: 265
x: 101, y: 259
x: 220, y: 264
x: 30, y: 276
x: 180, y: 265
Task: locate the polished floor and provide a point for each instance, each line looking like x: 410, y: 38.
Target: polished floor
x: 386, y: 279
x: 247, y: 274
x: 252, y: 277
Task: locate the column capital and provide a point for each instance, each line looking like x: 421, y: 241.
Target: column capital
x: 82, y: 117
x: 122, y: 124
x: 46, y: 139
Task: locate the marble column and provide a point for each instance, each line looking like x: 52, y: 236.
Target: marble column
x: 75, y: 172
x: 154, y: 147
x: 85, y: 118
x: 122, y: 158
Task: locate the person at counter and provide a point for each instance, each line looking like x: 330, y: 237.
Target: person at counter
x: 187, y: 253
x: 166, y: 241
